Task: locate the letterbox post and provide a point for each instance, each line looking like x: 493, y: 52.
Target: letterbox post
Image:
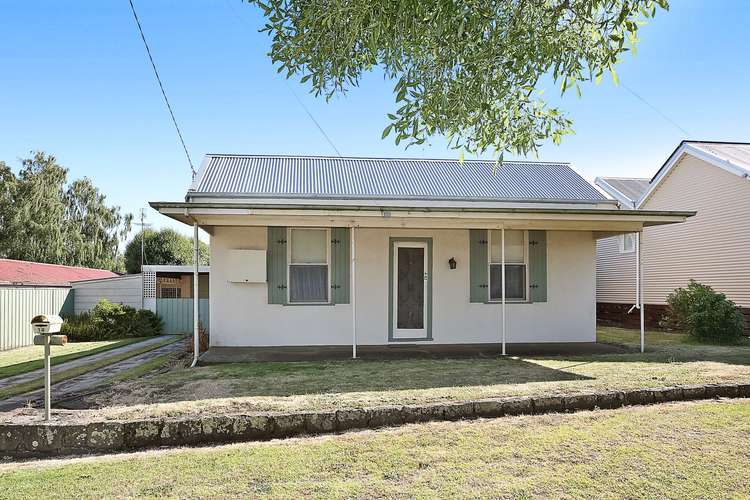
x: 45, y: 327
x: 47, y: 380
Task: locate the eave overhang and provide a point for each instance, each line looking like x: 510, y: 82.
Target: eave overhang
x: 209, y: 214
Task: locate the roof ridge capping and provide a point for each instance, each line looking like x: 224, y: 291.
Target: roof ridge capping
x: 605, y: 177
x: 382, y: 158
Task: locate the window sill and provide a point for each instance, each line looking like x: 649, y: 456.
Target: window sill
x: 500, y: 302
x: 295, y: 304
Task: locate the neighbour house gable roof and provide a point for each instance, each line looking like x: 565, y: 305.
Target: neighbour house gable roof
x: 734, y: 157
x: 19, y: 272
x: 311, y: 177
x: 627, y: 190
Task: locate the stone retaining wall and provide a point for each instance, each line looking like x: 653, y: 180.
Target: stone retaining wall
x: 39, y: 440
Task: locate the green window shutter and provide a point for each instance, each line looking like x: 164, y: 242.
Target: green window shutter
x: 538, y: 265
x: 478, y: 279
x: 340, y: 265
x: 276, y: 265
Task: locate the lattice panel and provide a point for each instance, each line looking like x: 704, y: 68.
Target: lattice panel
x: 149, y: 285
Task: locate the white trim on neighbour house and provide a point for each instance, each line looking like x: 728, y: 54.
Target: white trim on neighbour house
x: 687, y: 148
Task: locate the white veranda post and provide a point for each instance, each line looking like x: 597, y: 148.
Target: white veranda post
x: 639, y: 243
x: 196, y: 263
x: 353, y: 293
x: 502, y: 274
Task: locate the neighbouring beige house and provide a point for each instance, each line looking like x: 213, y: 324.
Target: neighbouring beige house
x: 320, y: 251
x: 711, y: 178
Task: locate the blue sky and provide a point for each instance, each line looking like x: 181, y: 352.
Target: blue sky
x: 76, y: 83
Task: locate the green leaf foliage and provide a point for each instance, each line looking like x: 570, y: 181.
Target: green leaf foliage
x: 465, y: 69
x: 164, y: 247
x: 705, y: 314
x: 108, y: 321
x: 45, y: 219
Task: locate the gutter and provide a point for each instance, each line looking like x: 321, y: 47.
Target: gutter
x: 159, y: 205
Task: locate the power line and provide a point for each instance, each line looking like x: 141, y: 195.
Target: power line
x: 313, y: 119
x: 655, y: 109
x: 299, y: 101
x: 161, y: 86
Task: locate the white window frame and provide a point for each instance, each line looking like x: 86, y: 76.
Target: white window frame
x: 525, y: 264
x: 289, y: 264
x: 621, y: 243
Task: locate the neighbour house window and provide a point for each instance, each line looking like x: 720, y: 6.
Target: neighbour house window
x: 516, y: 258
x: 309, y: 259
x: 627, y: 243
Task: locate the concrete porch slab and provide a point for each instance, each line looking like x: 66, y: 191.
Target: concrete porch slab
x: 403, y: 351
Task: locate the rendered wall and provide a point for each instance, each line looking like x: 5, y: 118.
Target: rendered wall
x: 241, y: 316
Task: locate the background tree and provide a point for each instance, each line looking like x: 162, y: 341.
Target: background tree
x: 44, y: 220
x: 163, y: 247
x: 465, y: 69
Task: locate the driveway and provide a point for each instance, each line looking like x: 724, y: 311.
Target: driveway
x: 71, y: 387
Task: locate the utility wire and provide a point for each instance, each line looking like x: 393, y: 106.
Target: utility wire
x: 655, y: 109
x: 161, y: 86
x: 312, y: 118
x: 299, y: 101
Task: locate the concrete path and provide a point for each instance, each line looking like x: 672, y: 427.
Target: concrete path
x: 77, y: 385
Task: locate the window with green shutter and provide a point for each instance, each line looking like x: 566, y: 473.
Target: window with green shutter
x: 340, y: 264
x: 484, y: 256
x: 478, y: 255
x: 298, y: 265
x: 538, y: 266
x: 276, y: 265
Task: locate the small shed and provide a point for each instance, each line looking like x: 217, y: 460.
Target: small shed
x: 31, y: 288
x: 165, y: 290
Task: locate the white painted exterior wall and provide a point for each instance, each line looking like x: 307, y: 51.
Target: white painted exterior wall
x: 241, y: 316
x: 126, y: 290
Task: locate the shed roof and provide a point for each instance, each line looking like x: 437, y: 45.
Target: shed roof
x: 19, y: 272
x: 313, y: 177
x: 626, y: 189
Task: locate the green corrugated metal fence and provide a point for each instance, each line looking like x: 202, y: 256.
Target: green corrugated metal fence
x: 19, y: 304
x: 177, y: 314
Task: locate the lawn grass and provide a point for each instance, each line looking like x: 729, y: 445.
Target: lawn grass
x: 58, y: 376
x: 681, y: 450
x: 327, y: 385
x: 631, y: 337
x: 30, y: 358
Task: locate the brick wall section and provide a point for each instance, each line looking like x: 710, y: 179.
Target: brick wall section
x: 609, y: 314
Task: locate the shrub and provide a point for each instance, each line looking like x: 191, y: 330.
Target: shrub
x: 108, y: 321
x: 704, y: 314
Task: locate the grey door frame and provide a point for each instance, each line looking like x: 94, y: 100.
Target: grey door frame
x: 428, y: 297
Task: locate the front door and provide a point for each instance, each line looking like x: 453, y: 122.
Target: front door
x: 410, y: 290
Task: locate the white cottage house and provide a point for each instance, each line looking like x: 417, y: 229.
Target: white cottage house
x: 319, y: 251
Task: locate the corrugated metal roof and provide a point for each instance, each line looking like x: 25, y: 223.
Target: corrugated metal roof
x: 736, y: 153
x: 631, y: 188
x: 387, y: 178
x: 36, y: 273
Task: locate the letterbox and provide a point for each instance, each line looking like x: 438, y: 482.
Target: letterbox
x: 46, y: 324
